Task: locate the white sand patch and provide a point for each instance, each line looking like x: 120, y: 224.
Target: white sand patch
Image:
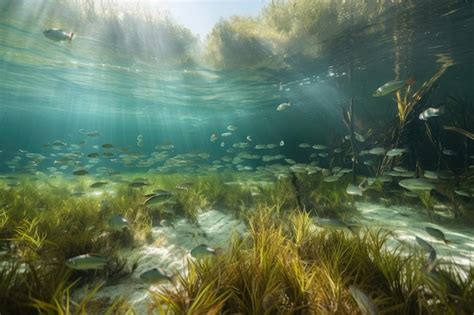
x: 407, y: 222
x: 169, y: 252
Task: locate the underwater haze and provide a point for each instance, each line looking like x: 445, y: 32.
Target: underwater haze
x: 141, y: 160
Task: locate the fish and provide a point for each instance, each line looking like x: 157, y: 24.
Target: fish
x: 93, y: 155
x: 424, y: 244
x: 92, y: 134
x: 158, y: 199
x: 396, y: 152
x: 282, y: 143
x: 214, y: 137
x: 59, y: 143
x: 107, y: 146
x: 249, y: 139
x: 154, y: 276
x: 365, y: 303
x: 98, y: 184
x: 203, y: 251
x: 58, y: 35
x: 118, y: 223
x: 87, y: 262
x: 232, y: 128
x: 226, y: 134
x: 222, y: 144
x: 335, y: 224
x: 352, y: 189
x: 461, y: 192
x: 80, y: 172
x: 241, y: 145
x: 331, y: 179
x: 438, y: 234
x: 392, y: 86
x: 323, y: 154
x: 138, y: 184
x: 431, y: 112
x: 377, y: 151
x: 319, y: 147
x: 283, y: 106
x: 431, y: 174
x: 431, y: 261
x: 304, y: 145
x: 400, y: 169
x: 359, y: 137
x: 416, y: 184
x: 449, y: 152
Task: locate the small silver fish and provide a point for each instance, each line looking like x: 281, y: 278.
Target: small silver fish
x: 396, y: 152
x: 449, y: 152
x: 203, y: 250
x: 431, y: 112
x: 158, y: 199
x: 86, y: 262
x: 430, y: 262
x: 80, y: 172
x: 58, y: 35
x: 154, y: 276
x: 335, y: 224
x: 392, y: 86
x: 416, y: 184
x: 118, y: 223
x: 283, y: 106
x: 98, y: 184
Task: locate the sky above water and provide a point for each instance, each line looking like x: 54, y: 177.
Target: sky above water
x: 201, y: 15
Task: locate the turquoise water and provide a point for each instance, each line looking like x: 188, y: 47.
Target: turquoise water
x: 50, y: 90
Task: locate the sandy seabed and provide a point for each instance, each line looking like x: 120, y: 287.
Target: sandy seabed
x: 170, y: 248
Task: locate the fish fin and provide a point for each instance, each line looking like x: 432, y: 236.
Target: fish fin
x: 441, y: 109
x: 411, y: 80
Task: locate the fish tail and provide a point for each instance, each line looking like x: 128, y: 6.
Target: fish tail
x: 410, y: 81
x: 441, y: 109
x: 71, y: 35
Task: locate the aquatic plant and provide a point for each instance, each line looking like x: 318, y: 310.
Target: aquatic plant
x: 47, y: 226
x: 428, y: 201
x: 409, y: 106
x: 284, y: 30
x: 287, y: 265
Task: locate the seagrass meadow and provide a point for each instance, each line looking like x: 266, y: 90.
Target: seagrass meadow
x: 236, y: 157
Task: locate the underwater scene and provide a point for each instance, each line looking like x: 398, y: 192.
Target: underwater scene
x: 236, y: 157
